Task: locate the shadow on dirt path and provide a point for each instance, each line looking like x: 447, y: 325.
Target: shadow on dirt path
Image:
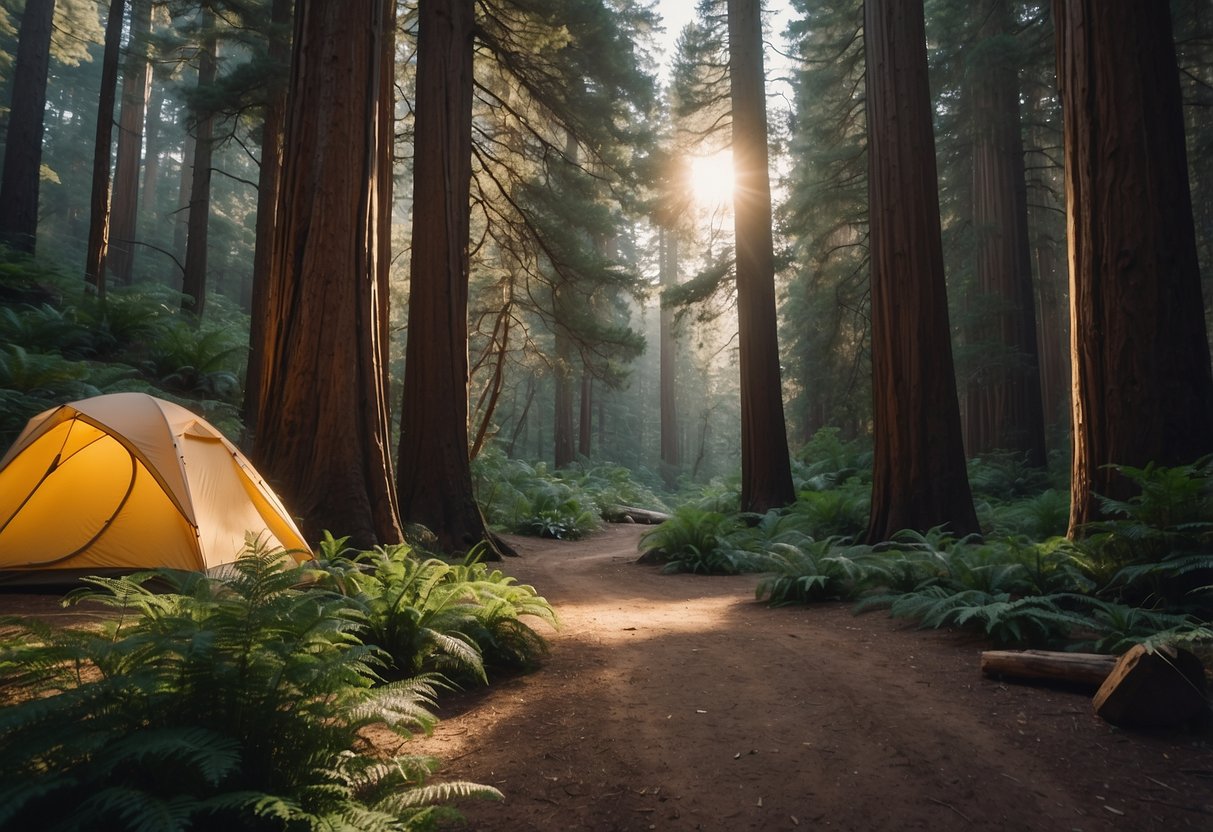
x: 676, y: 702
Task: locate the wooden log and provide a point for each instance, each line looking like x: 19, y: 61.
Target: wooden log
x: 631, y: 514
x: 1080, y: 668
x: 1153, y: 689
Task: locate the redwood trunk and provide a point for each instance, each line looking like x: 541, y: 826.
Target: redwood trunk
x: 435, y: 482
x: 99, y: 200
x: 323, y: 437
x: 766, y: 472
x: 135, y: 87
x: 1003, y: 408
x: 919, y: 476
x: 23, y: 140
x: 1143, y: 391
x: 268, y: 180
x: 193, y: 281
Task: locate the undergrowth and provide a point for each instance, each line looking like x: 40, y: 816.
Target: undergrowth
x: 232, y: 704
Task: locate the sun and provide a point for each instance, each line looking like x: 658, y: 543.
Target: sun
x: 712, y: 179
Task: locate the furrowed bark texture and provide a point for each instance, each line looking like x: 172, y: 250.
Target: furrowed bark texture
x: 919, y: 475
x: 1142, y: 385
x: 766, y: 472
x: 323, y: 436
x: 435, y: 481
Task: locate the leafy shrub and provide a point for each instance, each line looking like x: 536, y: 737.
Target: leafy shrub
x: 1157, y: 546
x: 1040, y: 516
x: 432, y: 616
x: 218, y: 705
x: 695, y: 540
x: 827, y: 461
x: 813, y: 570
x: 1005, y: 475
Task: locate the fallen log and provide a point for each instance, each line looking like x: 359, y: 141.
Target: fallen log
x: 1080, y: 668
x: 631, y: 514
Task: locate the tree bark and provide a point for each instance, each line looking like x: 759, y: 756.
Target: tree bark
x: 193, y: 281
x: 919, y: 476
x: 1143, y: 391
x: 99, y: 200
x: 766, y: 471
x: 585, y: 415
x: 562, y: 399
x: 268, y: 180
x: 135, y: 87
x: 671, y: 449
x: 434, y: 480
x: 1003, y: 409
x: 323, y: 435
x: 19, y: 183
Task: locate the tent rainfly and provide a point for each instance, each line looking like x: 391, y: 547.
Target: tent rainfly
x: 126, y: 481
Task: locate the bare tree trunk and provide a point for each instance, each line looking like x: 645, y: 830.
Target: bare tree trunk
x: 766, y: 471
x: 671, y: 451
x: 135, y: 87
x: 435, y: 481
x: 1143, y: 390
x: 193, y: 281
x: 23, y: 140
x: 562, y: 412
x: 1004, y: 410
x: 585, y: 420
x: 181, y: 217
x: 919, y: 477
x: 99, y: 201
x: 154, y: 135
x: 323, y: 435
x: 268, y: 180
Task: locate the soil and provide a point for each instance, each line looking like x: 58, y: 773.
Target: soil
x: 676, y: 702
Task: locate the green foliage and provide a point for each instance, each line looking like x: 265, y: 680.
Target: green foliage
x: 814, y: 570
x: 566, y: 505
x: 220, y: 704
x: 1157, y: 546
x: 430, y: 616
x: 1040, y: 516
x: 695, y: 540
x: 60, y: 344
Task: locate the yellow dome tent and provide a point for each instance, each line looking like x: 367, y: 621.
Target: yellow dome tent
x: 127, y: 481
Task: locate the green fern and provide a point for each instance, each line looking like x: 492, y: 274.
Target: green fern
x: 228, y: 704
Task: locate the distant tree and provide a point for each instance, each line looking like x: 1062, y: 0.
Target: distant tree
x: 825, y: 220
x: 671, y: 443
x: 766, y: 474
x: 193, y: 284
x: 99, y: 201
x: 1002, y: 408
x: 322, y: 437
x: 124, y: 210
x: 919, y: 475
x: 1143, y: 390
x: 23, y: 140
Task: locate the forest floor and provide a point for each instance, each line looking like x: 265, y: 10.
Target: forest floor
x: 676, y: 702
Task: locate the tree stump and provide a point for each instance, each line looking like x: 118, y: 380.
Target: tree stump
x: 1153, y: 689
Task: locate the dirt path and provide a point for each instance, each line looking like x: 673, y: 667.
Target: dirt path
x: 677, y: 703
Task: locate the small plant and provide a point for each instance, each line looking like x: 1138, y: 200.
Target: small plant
x: 220, y: 704
x: 694, y: 540
x: 814, y: 570
x: 432, y: 616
